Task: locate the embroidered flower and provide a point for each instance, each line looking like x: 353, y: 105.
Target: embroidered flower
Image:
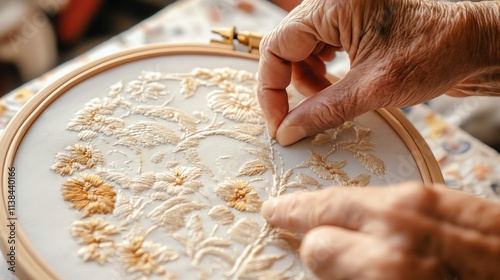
x: 239, y: 195
x: 90, y: 194
x: 141, y: 257
x: 188, y: 86
x: 97, y: 116
x: 325, y: 169
x: 178, y: 180
x: 79, y: 158
x: 240, y: 105
x: 96, y: 234
x: 142, y: 90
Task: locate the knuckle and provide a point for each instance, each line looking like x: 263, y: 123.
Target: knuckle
x: 328, y: 115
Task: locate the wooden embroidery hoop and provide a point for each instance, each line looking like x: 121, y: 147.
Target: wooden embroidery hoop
x: 29, y: 264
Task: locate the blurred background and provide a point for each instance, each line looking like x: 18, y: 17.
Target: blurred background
x: 58, y: 30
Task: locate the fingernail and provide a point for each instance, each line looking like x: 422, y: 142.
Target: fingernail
x: 268, y: 208
x: 287, y: 135
x: 271, y: 130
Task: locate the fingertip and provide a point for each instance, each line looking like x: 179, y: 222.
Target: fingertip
x: 268, y: 209
x: 289, y: 134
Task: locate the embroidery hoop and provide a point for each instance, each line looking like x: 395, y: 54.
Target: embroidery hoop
x: 29, y: 263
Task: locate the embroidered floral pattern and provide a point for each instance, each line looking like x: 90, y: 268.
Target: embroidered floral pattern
x: 96, y: 234
x: 239, y: 195
x: 178, y: 180
x: 79, y: 158
x: 237, y: 106
x: 141, y: 257
x: 89, y: 194
x: 161, y: 171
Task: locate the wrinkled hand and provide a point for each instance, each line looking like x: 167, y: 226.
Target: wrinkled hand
x: 402, y: 52
x: 402, y: 232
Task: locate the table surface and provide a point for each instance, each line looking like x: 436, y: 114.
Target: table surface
x: 466, y: 163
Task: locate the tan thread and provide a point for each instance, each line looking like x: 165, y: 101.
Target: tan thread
x: 175, y: 193
x: 96, y: 236
x: 89, y: 194
x: 239, y: 195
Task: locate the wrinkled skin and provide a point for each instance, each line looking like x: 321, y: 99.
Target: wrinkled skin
x: 400, y: 232
x: 402, y: 52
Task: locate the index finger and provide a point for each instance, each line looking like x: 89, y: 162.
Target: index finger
x: 292, y: 41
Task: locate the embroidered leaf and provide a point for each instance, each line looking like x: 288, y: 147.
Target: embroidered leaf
x: 171, y: 214
x: 361, y: 132
x: 213, y: 251
x: 371, y: 163
x: 96, y: 116
x: 185, y: 121
x: 307, y: 180
x: 202, y: 116
x: 115, y: 89
x: 130, y: 209
x: 325, y: 169
x: 195, y: 229
x: 362, y: 180
x: 285, y: 240
x: 228, y: 133
x: 142, y: 182
x: 252, y: 168
x: 245, y: 231
x: 115, y: 177
x: 188, y: 246
x: 214, y: 242
x: 252, y: 129
x: 64, y: 165
x: 157, y: 157
x: 221, y: 214
x: 148, y: 135
x: 260, y: 263
x: 323, y: 138
x: 159, y: 196
x: 188, y: 143
x: 87, y: 135
x: 142, y: 90
x: 263, y: 154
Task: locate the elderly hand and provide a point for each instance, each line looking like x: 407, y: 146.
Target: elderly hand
x: 402, y: 232
x: 402, y: 52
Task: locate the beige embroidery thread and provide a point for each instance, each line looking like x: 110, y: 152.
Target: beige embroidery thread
x: 172, y: 195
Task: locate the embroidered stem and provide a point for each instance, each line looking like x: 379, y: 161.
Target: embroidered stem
x: 249, y: 252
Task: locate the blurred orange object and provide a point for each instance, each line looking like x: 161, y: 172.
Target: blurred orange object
x: 287, y: 5
x: 75, y: 18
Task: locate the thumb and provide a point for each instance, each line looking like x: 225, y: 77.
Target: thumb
x: 345, y: 100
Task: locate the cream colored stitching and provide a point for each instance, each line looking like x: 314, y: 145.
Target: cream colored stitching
x: 239, y: 195
x: 173, y: 197
x: 96, y: 235
x: 79, y: 158
x: 221, y: 214
x: 142, y: 257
